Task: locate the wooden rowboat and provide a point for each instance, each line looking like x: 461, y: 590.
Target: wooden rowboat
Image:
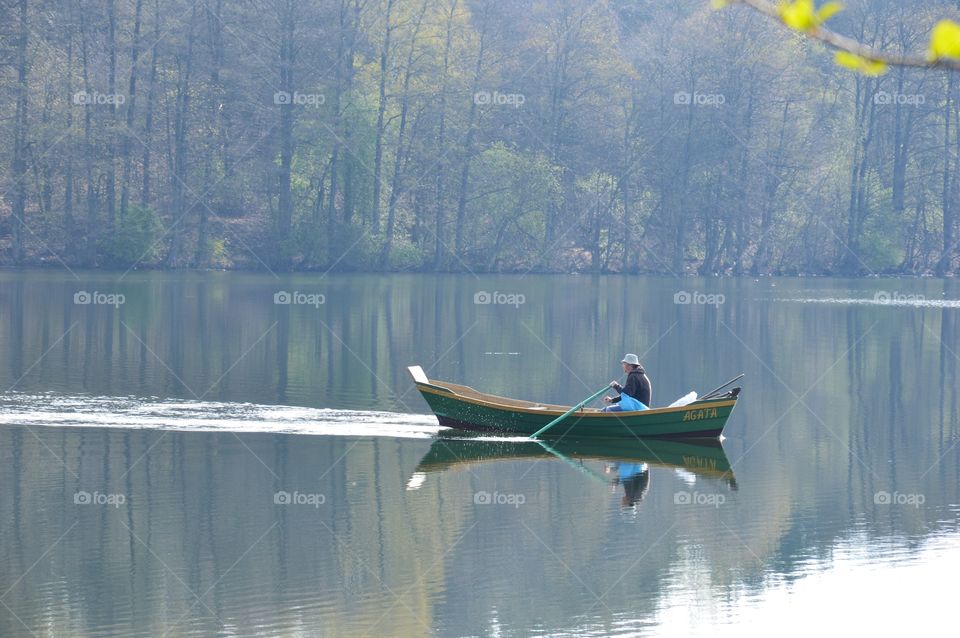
x: 462, y: 407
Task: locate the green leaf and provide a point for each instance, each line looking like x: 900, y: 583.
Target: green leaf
x: 828, y: 10
x: 802, y: 15
x: 797, y: 14
x: 945, y: 40
x: 860, y: 64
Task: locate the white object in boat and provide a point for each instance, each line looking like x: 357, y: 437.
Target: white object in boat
x: 686, y: 399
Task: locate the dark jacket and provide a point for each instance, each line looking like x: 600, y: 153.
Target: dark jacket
x: 638, y: 386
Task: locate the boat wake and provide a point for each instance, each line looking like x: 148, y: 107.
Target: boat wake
x: 206, y: 416
x: 902, y: 301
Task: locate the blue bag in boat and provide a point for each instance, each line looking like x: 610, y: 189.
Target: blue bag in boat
x: 629, y: 404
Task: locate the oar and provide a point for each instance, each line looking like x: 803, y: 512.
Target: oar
x: 569, y: 412
x: 577, y: 466
x: 715, y: 390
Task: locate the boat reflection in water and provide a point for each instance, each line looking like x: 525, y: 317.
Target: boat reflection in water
x: 622, y: 463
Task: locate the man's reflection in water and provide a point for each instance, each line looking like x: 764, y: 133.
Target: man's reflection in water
x: 635, y: 478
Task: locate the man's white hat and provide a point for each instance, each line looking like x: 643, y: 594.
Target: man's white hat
x: 632, y: 359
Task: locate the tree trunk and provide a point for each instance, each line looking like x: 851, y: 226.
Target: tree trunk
x: 943, y: 265
x: 396, y: 184
x: 110, y: 191
x: 381, y: 108
x: 441, y: 143
x: 625, y: 187
x: 288, y: 22
x: 899, y: 178
x: 771, y: 182
x: 180, y: 146
x: 680, y: 229
x: 857, y: 210
x: 42, y: 170
x: 338, y: 73
x: 557, y: 94
x: 349, y: 183
x: 131, y: 106
x: 148, y: 118
x: 90, y: 248
x: 343, y: 73
x: 742, y: 221
x: 215, y: 132
x: 595, y: 228
x: 21, y: 124
x: 459, y: 240
x: 69, y: 225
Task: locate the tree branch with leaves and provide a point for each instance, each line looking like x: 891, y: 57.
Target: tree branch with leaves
x: 804, y: 16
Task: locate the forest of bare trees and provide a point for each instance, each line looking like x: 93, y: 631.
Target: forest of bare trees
x: 471, y: 135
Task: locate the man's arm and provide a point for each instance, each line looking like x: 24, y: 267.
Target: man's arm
x: 633, y: 386
x: 619, y: 388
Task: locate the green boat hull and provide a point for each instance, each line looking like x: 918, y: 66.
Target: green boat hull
x: 464, y: 408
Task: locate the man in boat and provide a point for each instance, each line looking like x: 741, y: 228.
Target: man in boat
x: 637, y: 387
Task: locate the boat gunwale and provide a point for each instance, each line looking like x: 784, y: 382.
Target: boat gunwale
x: 442, y: 388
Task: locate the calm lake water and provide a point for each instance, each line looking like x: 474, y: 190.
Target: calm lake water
x: 198, y: 460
